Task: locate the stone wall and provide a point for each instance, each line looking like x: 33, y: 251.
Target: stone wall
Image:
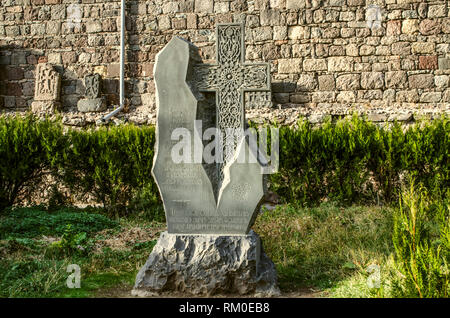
x: 387, y: 58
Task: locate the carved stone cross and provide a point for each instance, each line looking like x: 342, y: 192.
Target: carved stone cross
x: 194, y: 201
x: 230, y: 78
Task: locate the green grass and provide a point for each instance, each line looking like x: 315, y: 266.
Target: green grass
x: 327, y: 247
x: 33, y: 264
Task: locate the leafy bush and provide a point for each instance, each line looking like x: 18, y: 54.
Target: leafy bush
x: 354, y: 160
x: 422, y: 244
x: 347, y: 161
x: 27, y: 149
x: 110, y: 163
x: 32, y: 222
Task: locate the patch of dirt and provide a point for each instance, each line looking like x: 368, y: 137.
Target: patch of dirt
x: 127, y: 238
x: 124, y: 291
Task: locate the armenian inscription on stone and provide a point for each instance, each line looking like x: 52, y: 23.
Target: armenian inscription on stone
x: 200, y: 197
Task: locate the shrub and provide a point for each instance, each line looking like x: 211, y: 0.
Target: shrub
x: 354, y: 160
x: 347, y: 161
x: 110, y: 163
x: 27, y: 149
x: 422, y: 244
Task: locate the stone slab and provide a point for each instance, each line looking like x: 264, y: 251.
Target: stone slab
x: 207, y: 265
x: 45, y: 107
x: 195, y: 201
x: 91, y: 105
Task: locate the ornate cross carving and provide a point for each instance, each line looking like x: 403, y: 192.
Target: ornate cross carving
x: 230, y: 78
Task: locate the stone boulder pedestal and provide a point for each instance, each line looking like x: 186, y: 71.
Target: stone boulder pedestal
x: 204, y: 265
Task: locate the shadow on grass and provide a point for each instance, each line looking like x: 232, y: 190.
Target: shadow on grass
x: 319, y: 247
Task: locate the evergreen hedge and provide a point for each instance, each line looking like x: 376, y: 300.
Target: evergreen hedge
x: 348, y: 161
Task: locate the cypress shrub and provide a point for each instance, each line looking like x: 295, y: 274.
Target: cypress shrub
x: 348, y: 161
x: 28, y: 148
x: 421, y: 240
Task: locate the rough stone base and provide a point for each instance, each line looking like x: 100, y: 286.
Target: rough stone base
x: 48, y: 107
x: 91, y: 105
x: 206, y: 265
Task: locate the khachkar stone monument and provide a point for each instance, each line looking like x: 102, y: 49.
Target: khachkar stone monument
x: 93, y: 102
x: 46, y: 90
x: 210, y: 207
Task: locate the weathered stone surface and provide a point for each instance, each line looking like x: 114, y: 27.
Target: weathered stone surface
x: 429, y: 27
x: 421, y: 81
x: 395, y: 79
x: 197, y: 200
x: 423, y: 47
x: 84, y: 36
x: 91, y: 105
x: 290, y: 66
x: 314, y: 65
x: 326, y: 83
x: 348, y: 82
x: 207, y: 265
x: 410, y: 26
x: 45, y: 107
x: 48, y: 83
x: 428, y: 62
x: 340, y: 64
x: 47, y: 89
x: 372, y: 80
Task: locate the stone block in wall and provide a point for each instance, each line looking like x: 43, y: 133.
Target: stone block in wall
x: 14, y: 73
x: 279, y: 33
x: 262, y: 34
x: 441, y: 81
x: 429, y: 27
x: 287, y: 66
x: 444, y: 63
x: 410, y: 26
x: 395, y: 79
x: 13, y: 89
x: 18, y: 58
x: 428, y: 62
x: 437, y: 11
x: 306, y: 82
x: 340, y: 64
x: 9, y: 102
x: 430, y: 97
x: 393, y: 27
x: 372, y: 80
x: 323, y: 97
x: 282, y: 98
x: 421, y: 81
x: 298, y: 32
x: 446, y: 96
x: 299, y: 98
x: 270, y: 17
x: 311, y: 65
x: 326, y: 82
x: 170, y: 7
x: 164, y: 22
x: 191, y: 21
x: 348, y: 82
x: 401, y: 48
x: 295, y: 4
x: 58, y: 12
x: 12, y: 31
x: 204, y: 6
x: 423, y: 47
x: 346, y: 97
